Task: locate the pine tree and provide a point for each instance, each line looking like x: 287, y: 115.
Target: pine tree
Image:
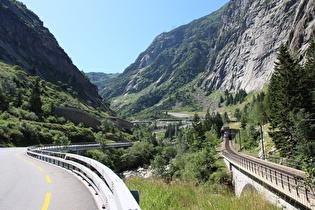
x: 35, y: 103
x: 198, y: 134
x: 197, y: 125
x: 213, y: 122
x: 285, y: 95
x: 207, y: 123
x: 310, y: 74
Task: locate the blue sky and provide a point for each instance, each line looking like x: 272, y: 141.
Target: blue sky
x: 108, y: 35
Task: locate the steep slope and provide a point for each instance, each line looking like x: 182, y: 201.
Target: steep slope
x: 100, y: 79
x: 247, y: 57
x: 24, y: 41
x: 231, y: 49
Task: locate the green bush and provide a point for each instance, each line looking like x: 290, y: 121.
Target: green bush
x: 195, y: 166
x: 139, y: 154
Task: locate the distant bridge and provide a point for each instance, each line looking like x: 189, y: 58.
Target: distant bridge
x: 281, y: 185
x: 84, y: 146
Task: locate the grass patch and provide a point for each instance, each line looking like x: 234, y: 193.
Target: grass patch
x: 156, y: 194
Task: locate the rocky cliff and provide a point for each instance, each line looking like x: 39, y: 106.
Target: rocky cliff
x: 231, y: 49
x: 251, y: 40
x: 24, y: 41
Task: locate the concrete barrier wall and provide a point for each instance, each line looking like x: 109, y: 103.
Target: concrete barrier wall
x: 77, y: 116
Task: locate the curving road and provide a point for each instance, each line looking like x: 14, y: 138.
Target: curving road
x: 27, y: 183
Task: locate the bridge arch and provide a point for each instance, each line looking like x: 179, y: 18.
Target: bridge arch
x: 249, y: 189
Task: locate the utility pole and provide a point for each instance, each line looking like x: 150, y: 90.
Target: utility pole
x: 262, y: 142
x: 239, y: 135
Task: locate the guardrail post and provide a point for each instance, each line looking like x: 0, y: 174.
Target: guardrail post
x: 281, y: 180
x: 289, y: 186
x: 297, y: 187
x: 135, y: 194
x: 306, y: 192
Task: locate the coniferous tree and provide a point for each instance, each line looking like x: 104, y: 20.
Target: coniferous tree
x: 207, y: 123
x: 226, y: 118
x: 303, y: 127
x: 198, y: 133
x: 238, y: 114
x: 213, y: 122
x: 35, y: 103
x: 218, y: 122
x: 285, y: 95
x: 310, y: 73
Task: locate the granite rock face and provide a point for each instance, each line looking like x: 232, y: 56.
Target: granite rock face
x: 247, y: 59
x: 233, y: 48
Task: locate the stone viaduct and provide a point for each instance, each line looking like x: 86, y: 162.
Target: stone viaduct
x: 280, y: 185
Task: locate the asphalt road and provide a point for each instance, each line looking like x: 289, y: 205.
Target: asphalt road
x: 27, y: 183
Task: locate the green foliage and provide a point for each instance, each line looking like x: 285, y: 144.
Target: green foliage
x: 27, y: 111
x: 289, y: 91
x: 249, y: 138
x: 139, y: 154
x: 197, y: 166
x: 238, y: 114
x: 303, y: 129
x: 226, y: 118
x: 254, y: 113
x: 35, y: 103
x: 158, y: 164
x: 101, y: 79
x: 105, y: 158
x: 107, y: 126
x: 229, y: 99
x: 186, y: 195
x: 60, y: 139
x: 212, y: 138
x: 171, y: 131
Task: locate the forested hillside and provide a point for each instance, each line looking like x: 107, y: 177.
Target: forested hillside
x: 36, y: 75
x: 27, y: 112
x: 24, y: 41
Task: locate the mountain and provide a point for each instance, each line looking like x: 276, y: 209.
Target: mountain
x: 25, y: 42
x: 232, y: 49
x: 44, y: 98
x: 101, y: 79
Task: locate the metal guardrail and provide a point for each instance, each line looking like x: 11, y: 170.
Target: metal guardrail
x: 284, y: 161
x: 280, y: 160
x: 83, y: 146
x: 111, y: 189
x: 290, y: 185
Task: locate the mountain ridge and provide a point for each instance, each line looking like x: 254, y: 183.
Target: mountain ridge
x: 24, y: 41
x: 231, y: 49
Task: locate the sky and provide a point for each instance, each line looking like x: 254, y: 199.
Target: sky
x: 108, y: 35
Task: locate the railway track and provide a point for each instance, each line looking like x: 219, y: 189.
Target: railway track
x: 284, y: 169
x: 285, y: 181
